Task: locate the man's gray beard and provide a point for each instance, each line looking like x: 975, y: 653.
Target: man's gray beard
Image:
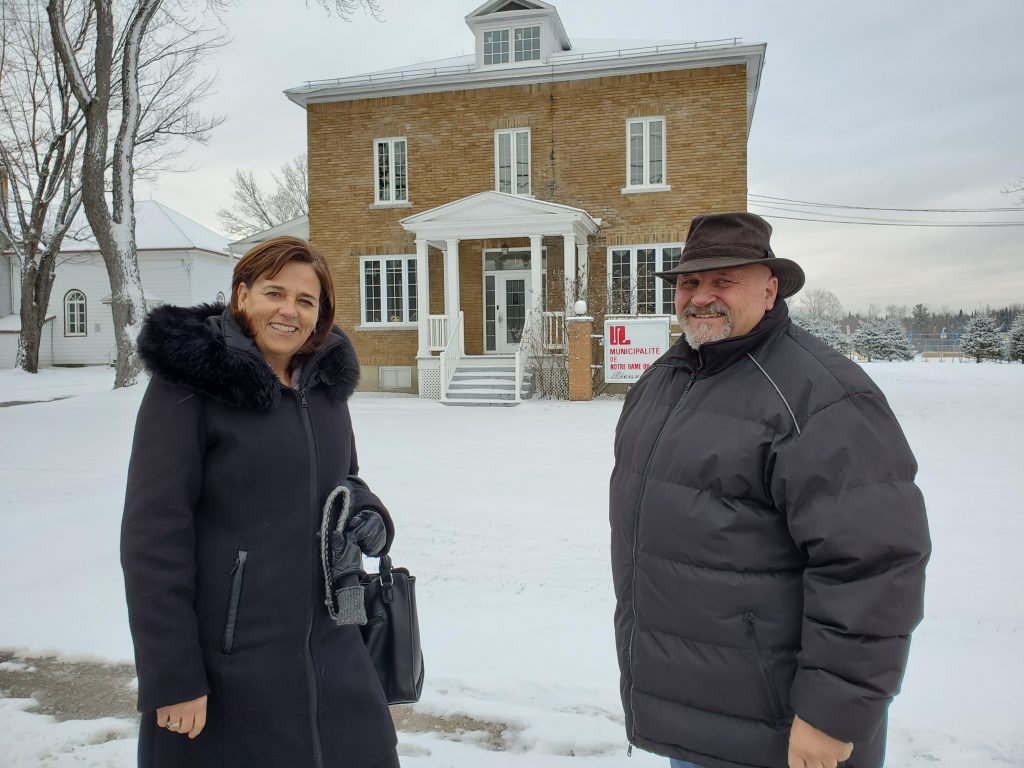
x: 702, y: 332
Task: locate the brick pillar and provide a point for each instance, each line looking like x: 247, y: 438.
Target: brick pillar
x: 580, y: 357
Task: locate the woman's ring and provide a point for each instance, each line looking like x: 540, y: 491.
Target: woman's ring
x: 173, y: 726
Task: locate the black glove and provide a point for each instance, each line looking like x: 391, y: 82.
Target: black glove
x: 366, y: 527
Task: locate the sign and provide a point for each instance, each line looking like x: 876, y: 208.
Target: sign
x: 631, y: 344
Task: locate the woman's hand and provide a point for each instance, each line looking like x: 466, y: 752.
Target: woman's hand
x: 189, y: 717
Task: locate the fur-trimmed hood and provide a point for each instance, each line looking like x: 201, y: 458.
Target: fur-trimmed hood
x: 204, y: 348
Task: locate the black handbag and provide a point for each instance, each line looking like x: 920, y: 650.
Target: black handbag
x: 392, y: 631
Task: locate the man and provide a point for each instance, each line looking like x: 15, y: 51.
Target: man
x: 768, y: 541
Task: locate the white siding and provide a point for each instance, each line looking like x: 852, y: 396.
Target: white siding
x: 9, y: 346
x: 211, y: 274
x: 86, y: 273
x: 164, y: 276
x: 6, y: 293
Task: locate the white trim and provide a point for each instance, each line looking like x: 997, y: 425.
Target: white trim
x: 384, y: 206
x: 514, y: 176
x: 647, y: 185
x: 67, y: 315
x: 493, y: 272
x: 405, y: 322
x: 659, y: 265
x: 639, y: 190
x: 441, y: 76
x: 390, y: 141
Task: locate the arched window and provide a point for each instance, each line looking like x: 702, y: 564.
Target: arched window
x: 74, y: 313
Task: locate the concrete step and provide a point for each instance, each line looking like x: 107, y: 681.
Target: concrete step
x: 486, y: 369
x: 480, y: 393
x: 497, y: 386
x: 482, y: 403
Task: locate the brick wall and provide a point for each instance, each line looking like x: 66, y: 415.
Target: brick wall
x: 578, y: 154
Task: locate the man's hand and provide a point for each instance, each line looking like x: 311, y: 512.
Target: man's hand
x: 811, y: 748
x: 189, y: 717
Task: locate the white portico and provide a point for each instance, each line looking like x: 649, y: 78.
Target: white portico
x: 514, y: 286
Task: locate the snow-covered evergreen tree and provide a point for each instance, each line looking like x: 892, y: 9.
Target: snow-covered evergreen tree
x: 1016, y: 351
x: 980, y: 340
x: 882, y: 339
x: 826, y: 330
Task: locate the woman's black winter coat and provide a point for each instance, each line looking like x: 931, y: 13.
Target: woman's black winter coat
x: 219, y: 546
x: 768, y: 550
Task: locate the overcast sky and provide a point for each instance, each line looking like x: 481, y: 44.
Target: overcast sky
x: 910, y: 104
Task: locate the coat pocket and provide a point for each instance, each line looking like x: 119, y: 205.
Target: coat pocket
x: 237, y: 574
x: 766, y: 674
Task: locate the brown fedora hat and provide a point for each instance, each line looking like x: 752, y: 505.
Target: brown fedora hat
x: 725, y: 240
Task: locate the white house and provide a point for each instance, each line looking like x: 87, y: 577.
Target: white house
x: 180, y: 262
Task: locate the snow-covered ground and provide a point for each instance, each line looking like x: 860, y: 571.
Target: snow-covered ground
x: 502, y: 515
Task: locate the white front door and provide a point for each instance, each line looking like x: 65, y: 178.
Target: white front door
x: 511, y: 302
x: 506, y: 301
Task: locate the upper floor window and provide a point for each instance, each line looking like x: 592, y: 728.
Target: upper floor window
x: 498, y: 51
x: 74, y: 313
x: 645, y: 153
x: 389, y: 290
x: 512, y: 161
x: 527, y: 44
x: 633, y: 288
x: 496, y: 46
x: 392, y: 171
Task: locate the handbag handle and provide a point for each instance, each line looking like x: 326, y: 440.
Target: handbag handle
x: 387, y: 579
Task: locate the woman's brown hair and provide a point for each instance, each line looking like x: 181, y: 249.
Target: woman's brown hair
x: 270, y: 257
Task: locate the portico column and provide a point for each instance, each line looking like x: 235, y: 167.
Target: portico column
x: 569, y: 271
x: 422, y: 300
x: 536, y: 285
x: 452, y: 284
x: 583, y: 268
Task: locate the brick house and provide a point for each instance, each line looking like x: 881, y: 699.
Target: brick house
x: 452, y: 199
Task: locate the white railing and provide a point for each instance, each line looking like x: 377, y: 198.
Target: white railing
x: 450, y: 356
x: 437, y: 332
x: 522, y: 352
x: 554, y: 330
x: 400, y: 75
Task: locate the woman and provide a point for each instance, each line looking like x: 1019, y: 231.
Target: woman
x: 242, y: 434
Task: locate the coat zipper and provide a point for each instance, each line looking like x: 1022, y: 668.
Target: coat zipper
x: 636, y: 541
x: 314, y: 698
x: 773, y: 693
x: 237, y: 572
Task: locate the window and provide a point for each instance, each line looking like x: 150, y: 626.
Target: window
x: 392, y: 171
x: 526, y: 45
x: 496, y: 47
x: 645, y: 153
x: 389, y: 290
x: 74, y: 313
x: 633, y: 288
x: 512, y: 161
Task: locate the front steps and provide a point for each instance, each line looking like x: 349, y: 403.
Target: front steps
x: 486, y: 381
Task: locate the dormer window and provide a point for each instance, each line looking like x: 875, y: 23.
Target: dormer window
x: 528, y: 44
x: 497, y: 49
x: 496, y: 46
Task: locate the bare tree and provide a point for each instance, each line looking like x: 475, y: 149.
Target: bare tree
x: 254, y: 210
x: 819, y: 304
x: 40, y: 131
x: 138, y: 74
x: 345, y: 8
x: 1015, y: 188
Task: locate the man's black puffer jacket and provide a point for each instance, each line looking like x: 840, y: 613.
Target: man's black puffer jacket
x: 768, y: 550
